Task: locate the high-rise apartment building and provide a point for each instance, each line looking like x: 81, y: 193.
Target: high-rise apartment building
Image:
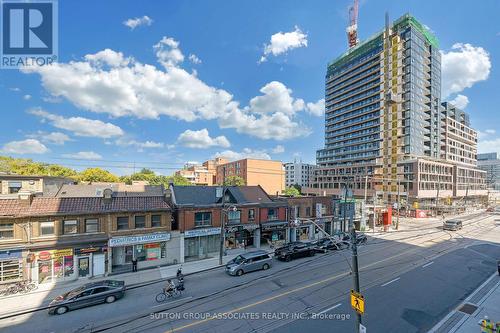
x: 385, y: 123
x: 299, y: 173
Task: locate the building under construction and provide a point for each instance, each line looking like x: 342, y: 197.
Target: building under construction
x: 388, y: 136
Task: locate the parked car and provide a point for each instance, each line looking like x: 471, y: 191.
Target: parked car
x: 325, y: 244
x: 360, y: 238
x: 248, y: 262
x: 295, y: 250
x: 452, y: 225
x: 106, y: 291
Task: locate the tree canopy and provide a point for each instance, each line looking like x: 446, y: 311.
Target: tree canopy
x: 234, y: 181
x: 291, y: 191
x: 22, y: 166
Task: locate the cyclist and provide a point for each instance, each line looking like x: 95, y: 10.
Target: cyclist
x: 169, y: 287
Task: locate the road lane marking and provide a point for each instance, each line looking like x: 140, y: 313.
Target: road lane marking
x: 326, y: 310
x: 388, y: 283
x: 168, y: 303
x: 428, y: 264
x: 195, y: 323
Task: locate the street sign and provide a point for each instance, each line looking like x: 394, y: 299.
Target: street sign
x: 357, y: 302
x: 362, y: 329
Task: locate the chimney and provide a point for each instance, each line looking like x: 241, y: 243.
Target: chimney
x: 107, y: 195
x: 26, y: 198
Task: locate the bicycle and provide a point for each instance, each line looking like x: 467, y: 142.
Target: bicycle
x: 22, y: 287
x: 161, y: 297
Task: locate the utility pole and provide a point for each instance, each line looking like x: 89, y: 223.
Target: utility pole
x: 354, y: 247
x: 437, y: 194
x: 222, y: 229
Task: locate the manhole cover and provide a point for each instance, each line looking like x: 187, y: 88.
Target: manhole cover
x: 468, y: 308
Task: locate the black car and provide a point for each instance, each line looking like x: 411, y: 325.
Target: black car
x: 360, y: 238
x: 325, y: 244
x: 106, y: 291
x: 295, y: 250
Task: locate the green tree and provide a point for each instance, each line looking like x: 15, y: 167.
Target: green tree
x: 144, y: 175
x: 178, y: 180
x: 97, y: 175
x: 23, y: 166
x: 234, y: 181
x: 291, y: 192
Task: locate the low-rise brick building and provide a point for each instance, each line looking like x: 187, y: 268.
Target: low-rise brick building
x: 48, y: 239
x: 250, y: 217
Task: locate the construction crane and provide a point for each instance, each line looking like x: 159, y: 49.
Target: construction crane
x: 352, y: 29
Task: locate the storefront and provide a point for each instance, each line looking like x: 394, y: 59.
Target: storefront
x: 241, y: 235
x: 274, y: 233
x: 11, y: 266
x: 201, y: 243
x: 91, y: 261
x: 148, y: 250
x: 303, y: 232
x: 53, y: 266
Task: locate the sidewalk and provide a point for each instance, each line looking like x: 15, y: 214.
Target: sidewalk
x: 484, y: 301
x: 47, y: 292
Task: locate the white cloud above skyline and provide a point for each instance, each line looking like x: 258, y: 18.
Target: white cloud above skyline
x: 79, y: 126
x: 133, y: 23
x: 282, y: 42
x: 201, y: 139
x: 28, y: 146
x: 84, y: 155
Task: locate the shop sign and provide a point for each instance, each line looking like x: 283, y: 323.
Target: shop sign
x: 92, y: 249
x: 274, y: 226
x: 11, y: 254
x: 201, y: 232
x: 54, y: 254
x: 139, y: 239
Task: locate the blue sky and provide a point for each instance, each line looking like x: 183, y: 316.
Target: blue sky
x: 187, y: 84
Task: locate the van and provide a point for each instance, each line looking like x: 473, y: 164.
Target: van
x: 452, y: 225
x: 248, y: 262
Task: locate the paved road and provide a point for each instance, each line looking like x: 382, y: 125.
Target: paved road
x: 410, y: 281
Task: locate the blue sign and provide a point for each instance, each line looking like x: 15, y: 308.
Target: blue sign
x: 29, y: 33
x: 11, y: 254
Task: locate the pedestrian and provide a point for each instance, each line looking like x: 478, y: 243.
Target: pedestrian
x: 134, y: 265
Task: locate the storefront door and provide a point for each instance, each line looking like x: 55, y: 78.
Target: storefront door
x: 129, y: 254
x: 83, y: 266
x: 44, y: 271
x: 98, y: 264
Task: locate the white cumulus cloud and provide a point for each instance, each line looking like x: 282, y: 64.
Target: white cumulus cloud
x: 463, y: 66
x: 282, y: 42
x: 56, y: 138
x: 133, y: 23
x: 278, y: 149
x: 194, y: 59
x: 84, y: 155
x: 139, y: 144
x: 316, y: 109
x: 80, y: 126
x: 28, y: 146
x: 201, y: 139
x: 460, y: 101
x: 488, y: 146
x: 245, y: 153
x: 108, y: 82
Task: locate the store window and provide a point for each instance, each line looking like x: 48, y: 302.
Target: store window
x: 140, y: 221
x: 6, y: 230
x: 202, y: 219
x: 10, y: 270
x: 122, y: 223
x: 234, y: 216
x: 47, y: 228
x: 70, y: 227
x: 91, y: 225
x: 251, y: 214
x: 151, y: 251
x: 155, y: 221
